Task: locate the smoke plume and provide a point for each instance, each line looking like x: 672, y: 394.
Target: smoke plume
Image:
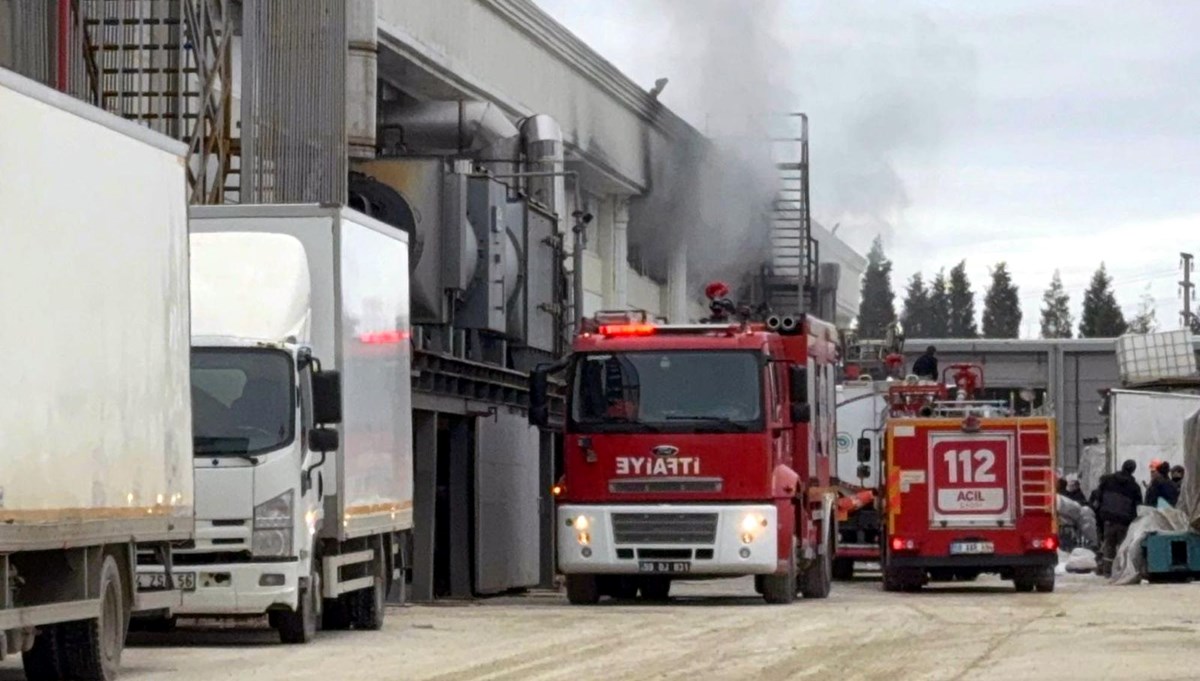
x: 715, y: 194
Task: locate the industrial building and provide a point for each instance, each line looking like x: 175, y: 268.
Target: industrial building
x: 489, y: 133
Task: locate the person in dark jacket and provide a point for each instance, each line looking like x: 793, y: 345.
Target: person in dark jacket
x: 926, y: 365
x: 1177, y: 476
x: 1120, y: 495
x: 1161, y: 486
x: 1073, y: 491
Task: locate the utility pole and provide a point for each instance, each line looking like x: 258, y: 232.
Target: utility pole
x: 1187, y: 287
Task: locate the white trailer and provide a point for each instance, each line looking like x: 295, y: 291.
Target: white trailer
x: 95, y: 458
x: 302, y: 369
x: 1144, y: 426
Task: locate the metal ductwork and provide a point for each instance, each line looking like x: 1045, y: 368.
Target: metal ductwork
x: 362, y: 72
x: 542, y: 142
x: 455, y: 128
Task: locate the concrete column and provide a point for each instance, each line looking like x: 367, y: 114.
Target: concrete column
x: 462, y: 457
x: 425, y: 449
x: 620, y: 253
x: 676, y: 307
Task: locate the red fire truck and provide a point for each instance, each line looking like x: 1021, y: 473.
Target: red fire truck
x: 969, y: 488
x: 695, y: 451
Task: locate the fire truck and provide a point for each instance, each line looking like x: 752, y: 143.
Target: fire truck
x: 969, y: 488
x: 695, y: 451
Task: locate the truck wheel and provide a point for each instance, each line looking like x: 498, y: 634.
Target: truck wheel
x: 843, y: 569
x: 369, y: 606
x: 781, y: 589
x: 92, y: 649
x: 758, y: 584
x: 335, y: 615
x: 582, y: 590
x: 902, y: 579
x: 656, y: 589
x: 300, y: 625
x: 1044, y: 582
x: 43, y: 661
x: 818, y: 578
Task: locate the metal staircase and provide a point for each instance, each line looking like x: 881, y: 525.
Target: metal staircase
x: 790, y: 277
x: 166, y: 64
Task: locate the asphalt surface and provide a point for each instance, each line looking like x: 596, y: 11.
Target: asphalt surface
x: 721, y: 630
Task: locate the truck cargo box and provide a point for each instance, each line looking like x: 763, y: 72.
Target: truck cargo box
x: 360, y: 326
x: 95, y: 410
x: 1144, y: 426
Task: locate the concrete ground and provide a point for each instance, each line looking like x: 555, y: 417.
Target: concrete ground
x: 720, y: 630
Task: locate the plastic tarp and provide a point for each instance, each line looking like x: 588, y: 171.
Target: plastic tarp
x: 1079, y: 517
x: 1129, y: 564
x: 1080, y: 561
x: 1093, y: 463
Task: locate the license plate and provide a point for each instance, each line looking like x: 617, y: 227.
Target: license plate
x: 185, y: 581
x: 668, y: 566
x: 965, y: 548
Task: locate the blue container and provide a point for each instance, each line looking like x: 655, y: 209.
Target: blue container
x: 1172, y: 553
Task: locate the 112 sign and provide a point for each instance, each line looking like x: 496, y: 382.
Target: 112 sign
x: 971, y: 467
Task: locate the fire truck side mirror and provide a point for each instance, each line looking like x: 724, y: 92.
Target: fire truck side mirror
x: 864, y: 449
x: 798, y: 383
x: 801, y: 412
x: 539, y: 398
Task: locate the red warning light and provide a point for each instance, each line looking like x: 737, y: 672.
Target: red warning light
x: 383, y: 337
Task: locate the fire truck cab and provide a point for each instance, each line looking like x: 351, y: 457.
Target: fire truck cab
x: 695, y: 451
x: 969, y: 487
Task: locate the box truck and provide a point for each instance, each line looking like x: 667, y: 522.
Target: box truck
x: 95, y: 461
x: 302, y: 405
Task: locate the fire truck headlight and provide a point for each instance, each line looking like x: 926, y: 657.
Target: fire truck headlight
x: 753, y: 523
x: 581, y: 523
x: 583, y: 538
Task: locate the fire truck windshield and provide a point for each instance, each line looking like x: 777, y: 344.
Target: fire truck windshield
x: 676, y: 391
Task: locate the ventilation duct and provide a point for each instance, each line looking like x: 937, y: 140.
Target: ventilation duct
x: 453, y: 128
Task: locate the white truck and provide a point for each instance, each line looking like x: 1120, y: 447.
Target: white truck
x: 861, y: 412
x: 96, y: 455
x: 1144, y: 426
x: 301, y: 374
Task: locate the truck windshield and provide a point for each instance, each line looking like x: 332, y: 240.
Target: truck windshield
x: 667, y: 391
x: 243, y: 401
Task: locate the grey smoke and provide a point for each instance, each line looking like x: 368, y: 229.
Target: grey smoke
x: 715, y: 194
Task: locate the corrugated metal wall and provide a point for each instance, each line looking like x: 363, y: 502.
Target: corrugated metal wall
x: 293, y: 102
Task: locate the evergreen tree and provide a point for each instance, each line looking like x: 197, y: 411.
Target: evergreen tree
x: 939, y: 307
x: 1146, y: 320
x: 877, y: 309
x: 1001, y: 306
x: 1056, y: 310
x: 1102, y: 316
x: 962, y: 304
x: 917, y: 310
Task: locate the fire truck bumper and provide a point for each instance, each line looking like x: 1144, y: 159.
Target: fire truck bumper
x: 993, y: 562
x: 700, y: 539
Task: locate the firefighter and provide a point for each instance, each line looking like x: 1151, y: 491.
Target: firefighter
x: 1120, y: 496
x: 1161, y: 486
x: 926, y: 365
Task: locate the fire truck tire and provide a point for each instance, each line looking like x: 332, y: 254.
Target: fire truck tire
x: 781, y: 589
x: 656, y: 589
x: 843, y: 569
x: 1045, y: 580
x: 902, y: 579
x: 758, y: 584
x: 818, y: 578
x: 582, y: 590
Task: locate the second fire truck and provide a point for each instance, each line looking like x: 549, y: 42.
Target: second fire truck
x: 969, y: 488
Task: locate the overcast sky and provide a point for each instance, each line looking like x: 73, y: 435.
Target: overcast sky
x: 1045, y: 133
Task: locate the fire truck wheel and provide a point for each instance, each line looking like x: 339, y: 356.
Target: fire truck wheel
x: 843, y: 569
x: 758, y: 584
x: 818, y: 578
x: 1045, y: 580
x: 656, y: 589
x: 582, y: 590
x: 781, y: 589
x: 902, y: 579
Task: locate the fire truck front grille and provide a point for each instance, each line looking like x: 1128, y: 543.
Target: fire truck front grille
x: 664, y: 528
x: 643, y: 485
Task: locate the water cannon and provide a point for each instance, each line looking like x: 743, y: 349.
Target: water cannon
x: 719, y: 304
